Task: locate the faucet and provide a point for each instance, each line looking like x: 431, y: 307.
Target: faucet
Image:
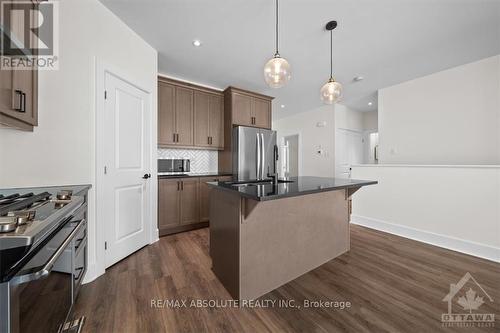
x: 274, y: 176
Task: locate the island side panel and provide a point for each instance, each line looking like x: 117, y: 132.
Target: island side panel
x: 285, y: 238
x: 225, y: 212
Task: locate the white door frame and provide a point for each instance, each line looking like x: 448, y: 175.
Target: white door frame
x: 348, y: 130
x: 101, y: 69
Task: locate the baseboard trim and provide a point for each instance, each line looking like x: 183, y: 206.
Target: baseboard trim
x: 451, y: 243
x: 92, y: 273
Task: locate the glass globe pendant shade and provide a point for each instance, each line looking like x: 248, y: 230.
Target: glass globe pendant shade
x: 331, y: 92
x: 277, y: 72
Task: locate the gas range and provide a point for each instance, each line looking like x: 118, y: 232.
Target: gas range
x: 27, y: 217
x: 43, y: 243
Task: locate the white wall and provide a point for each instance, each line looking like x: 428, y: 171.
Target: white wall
x: 450, y: 117
x: 61, y: 150
x: 456, y: 207
x: 311, y: 139
x: 347, y: 118
x: 314, y: 138
x: 370, y: 120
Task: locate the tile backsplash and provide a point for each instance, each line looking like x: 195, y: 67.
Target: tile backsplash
x: 201, y: 160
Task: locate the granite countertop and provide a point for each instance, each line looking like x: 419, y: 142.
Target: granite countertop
x: 298, y: 186
x: 187, y: 175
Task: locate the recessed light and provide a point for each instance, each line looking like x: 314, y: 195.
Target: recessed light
x: 358, y: 78
x: 196, y: 42
x: 370, y: 103
x: 282, y: 106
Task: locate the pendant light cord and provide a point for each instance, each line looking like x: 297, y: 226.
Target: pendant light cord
x: 277, y: 54
x: 331, y: 54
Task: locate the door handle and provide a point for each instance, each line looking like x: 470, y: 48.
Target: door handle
x: 146, y: 176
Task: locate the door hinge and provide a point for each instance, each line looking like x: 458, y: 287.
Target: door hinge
x: 105, y: 170
x: 105, y: 245
x: 105, y: 94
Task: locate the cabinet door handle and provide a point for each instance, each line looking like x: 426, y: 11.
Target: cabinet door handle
x: 174, y: 137
x: 177, y: 137
x: 178, y: 186
x: 23, y: 109
x: 182, y: 185
x: 20, y: 108
x: 208, y: 140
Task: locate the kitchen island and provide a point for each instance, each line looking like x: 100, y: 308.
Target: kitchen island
x: 264, y: 235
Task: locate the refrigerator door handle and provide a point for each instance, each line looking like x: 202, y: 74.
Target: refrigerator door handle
x: 258, y: 156
x: 263, y: 159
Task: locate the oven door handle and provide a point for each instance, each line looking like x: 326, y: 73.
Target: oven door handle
x: 45, y: 271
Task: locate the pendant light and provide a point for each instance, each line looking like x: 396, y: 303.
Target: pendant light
x: 331, y: 92
x: 277, y: 70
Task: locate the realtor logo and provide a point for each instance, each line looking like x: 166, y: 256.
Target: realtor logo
x: 470, y: 296
x: 29, y: 35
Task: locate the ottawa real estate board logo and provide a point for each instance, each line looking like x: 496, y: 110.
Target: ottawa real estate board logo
x: 469, y: 296
x: 29, y: 35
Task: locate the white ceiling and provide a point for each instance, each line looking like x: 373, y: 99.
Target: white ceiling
x: 385, y: 41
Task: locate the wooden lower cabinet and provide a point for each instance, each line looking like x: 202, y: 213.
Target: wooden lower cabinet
x: 183, y: 203
x: 190, y: 212
x: 168, y: 203
x: 205, y: 195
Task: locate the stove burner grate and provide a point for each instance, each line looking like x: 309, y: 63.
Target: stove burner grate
x: 15, y: 202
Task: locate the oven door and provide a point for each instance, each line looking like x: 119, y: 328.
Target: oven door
x: 41, y: 293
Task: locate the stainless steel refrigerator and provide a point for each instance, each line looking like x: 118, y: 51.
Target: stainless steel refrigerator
x: 254, y: 152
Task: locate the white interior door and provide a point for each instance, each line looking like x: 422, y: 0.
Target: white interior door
x: 127, y: 158
x: 348, y: 151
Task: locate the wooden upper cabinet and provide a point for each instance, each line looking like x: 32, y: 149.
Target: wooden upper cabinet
x: 248, y: 108
x: 201, y: 119
x: 184, y: 116
x: 242, y: 109
x: 19, y: 90
x: 189, y: 116
x: 261, y: 111
x: 208, y: 120
x: 166, y: 114
x: 216, y: 121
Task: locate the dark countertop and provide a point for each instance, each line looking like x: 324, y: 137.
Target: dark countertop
x: 187, y: 175
x: 299, y: 186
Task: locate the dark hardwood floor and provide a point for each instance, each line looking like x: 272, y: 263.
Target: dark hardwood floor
x: 393, y: 284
